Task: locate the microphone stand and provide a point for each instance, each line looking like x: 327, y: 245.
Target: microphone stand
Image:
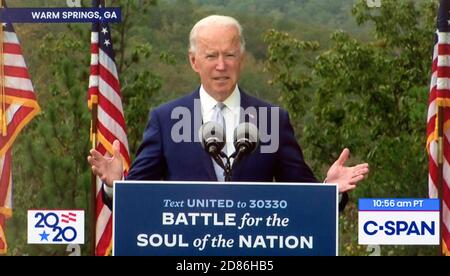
x: 227, y: 168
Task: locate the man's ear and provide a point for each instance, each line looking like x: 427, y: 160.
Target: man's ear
x: 243, y: 59
x: 192, y: 60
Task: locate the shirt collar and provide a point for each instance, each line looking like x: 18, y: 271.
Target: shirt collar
x: 233, y: 102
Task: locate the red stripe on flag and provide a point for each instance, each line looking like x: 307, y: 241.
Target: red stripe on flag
x: 18, y: 72
x: 94, y: 48
x: 93, y: 91
x: 443, y: 93
x: 101, y: 149
x: 12, y: 48
x: 110, y: 79
x: 432, y: 95
x: 99, y: 203
x: 444, y: 49
x: 94, y: 70
x: 443, y: 72
x: 20, y: 93
x: 105, y: 240
x: 433, y: 170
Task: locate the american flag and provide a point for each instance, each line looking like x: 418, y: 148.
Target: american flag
x: 104, y: 92
x: 18, y: 106
x: 439, y: 96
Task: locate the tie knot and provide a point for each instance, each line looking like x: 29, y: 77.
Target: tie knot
x: 218, y: 115
x: 220, y: 105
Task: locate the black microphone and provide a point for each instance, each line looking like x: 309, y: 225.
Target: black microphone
x: 212, y: 136
x: 246, y: 140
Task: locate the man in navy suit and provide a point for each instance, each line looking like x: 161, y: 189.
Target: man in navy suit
x: 171, y: 150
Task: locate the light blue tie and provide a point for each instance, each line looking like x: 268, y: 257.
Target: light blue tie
x: 218, y: 117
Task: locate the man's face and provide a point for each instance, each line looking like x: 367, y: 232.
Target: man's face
x: 218, y: 59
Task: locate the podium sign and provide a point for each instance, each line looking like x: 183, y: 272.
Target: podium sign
x: 224, y: 219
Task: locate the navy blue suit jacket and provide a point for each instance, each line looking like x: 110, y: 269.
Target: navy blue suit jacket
x: 161, y: 158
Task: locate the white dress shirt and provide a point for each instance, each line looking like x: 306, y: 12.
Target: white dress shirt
x: 231, y: 113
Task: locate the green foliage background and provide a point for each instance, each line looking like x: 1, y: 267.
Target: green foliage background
x: 351, y: 76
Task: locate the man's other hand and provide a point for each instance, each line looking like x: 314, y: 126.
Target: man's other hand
x: 109, y: 167
x: 347, y: 178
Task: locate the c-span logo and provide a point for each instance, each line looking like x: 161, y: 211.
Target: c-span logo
x: 398, y: 221
x: 56, y: 226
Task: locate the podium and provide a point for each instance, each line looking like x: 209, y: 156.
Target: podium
x: 224, y: 219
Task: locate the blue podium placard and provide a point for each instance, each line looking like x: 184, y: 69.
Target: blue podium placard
x: 224, y: 219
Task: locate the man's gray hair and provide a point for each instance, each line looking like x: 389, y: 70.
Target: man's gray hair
x: 220, y: 20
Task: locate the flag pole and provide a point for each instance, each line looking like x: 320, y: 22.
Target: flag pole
x: 93, y: 101
x: 440, y: 122
x: 93, y: 135
x: 2, y: 80
x: 3, y: 127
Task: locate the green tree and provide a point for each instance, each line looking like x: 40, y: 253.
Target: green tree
x: 51, y: 169
x: 370, y: 97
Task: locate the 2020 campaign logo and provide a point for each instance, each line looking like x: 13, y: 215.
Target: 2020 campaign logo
x: 55, y: 226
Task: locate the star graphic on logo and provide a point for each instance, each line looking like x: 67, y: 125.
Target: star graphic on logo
x: 44, y: 236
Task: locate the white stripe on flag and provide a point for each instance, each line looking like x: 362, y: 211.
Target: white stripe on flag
x: 443, y: 61
x: 14, y: 60
x: 433, y: 80
x: 11, y: 111
x: 93, y: 81
x: 443, y: 37
x: 446, y: 171
x: 445, y: 215
x: 94, y: 37
x: 432, y: 190
x: 431, y: 110
x: 19, y: 83
x: 94, y: 59
x: 435, y: 51
x: 108, y: 63
x: 443, y: 83
x: 10, y: 37
x: 102, y: 221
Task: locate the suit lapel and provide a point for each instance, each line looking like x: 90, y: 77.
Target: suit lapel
x: 197, y: 120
